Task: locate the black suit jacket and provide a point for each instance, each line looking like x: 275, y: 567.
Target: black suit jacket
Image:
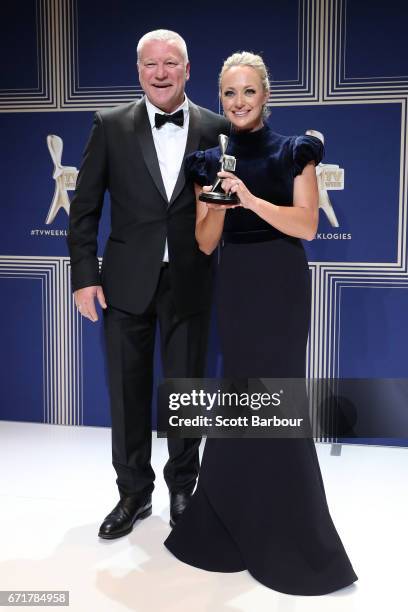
x: 120, y: 156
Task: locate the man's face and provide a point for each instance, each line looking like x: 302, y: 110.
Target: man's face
x: 163, y: 74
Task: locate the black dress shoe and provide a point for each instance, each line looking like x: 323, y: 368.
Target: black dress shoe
x: 127, y: 511
x: 178, y: 503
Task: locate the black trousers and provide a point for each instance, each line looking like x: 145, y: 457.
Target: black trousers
x: 130, y: 343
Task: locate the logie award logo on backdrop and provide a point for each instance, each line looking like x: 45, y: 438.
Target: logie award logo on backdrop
x: 65, y: 178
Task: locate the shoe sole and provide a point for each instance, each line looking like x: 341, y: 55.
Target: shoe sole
x: 113, y: 536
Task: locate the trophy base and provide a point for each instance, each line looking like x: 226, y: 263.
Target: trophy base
x: 216, y: 197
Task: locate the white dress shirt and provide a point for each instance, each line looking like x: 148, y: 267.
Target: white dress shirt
x: 170, y: 143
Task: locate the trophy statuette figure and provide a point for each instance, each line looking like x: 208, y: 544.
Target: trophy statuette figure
x: 65, y: 178
x: 217, y: 195
x: 329, y: 176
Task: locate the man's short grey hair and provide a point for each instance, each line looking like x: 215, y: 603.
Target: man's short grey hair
x: 166, y: 35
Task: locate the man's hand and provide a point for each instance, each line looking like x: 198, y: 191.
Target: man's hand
x: 85, y: 301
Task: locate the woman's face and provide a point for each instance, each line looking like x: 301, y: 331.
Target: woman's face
x: 243, y: 96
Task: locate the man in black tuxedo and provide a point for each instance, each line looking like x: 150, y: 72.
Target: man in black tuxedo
x: 152, y: 268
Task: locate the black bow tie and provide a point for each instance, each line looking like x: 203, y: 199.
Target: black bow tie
x: 176, y: 118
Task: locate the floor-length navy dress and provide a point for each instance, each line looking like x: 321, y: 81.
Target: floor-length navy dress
x: 260, y: 504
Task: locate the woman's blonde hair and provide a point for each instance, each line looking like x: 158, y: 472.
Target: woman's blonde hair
x: 246, y: 58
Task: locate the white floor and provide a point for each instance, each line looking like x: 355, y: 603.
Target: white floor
x: 57, y: 484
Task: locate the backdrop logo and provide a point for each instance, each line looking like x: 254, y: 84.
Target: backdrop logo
x: 65, y: 178
x: 329, y: 176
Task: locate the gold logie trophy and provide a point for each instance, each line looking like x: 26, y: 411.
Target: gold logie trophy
x: 217, y: 195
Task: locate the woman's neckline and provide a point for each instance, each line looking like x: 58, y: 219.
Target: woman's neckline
x: 246, y: 136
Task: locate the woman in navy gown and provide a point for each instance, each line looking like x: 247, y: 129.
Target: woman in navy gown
x: 260, y: 504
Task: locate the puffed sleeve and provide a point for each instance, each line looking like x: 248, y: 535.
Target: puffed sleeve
x: 306, y: 149
x: 195, y: 167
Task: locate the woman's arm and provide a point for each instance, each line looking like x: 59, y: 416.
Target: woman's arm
x: 300, y: 220
x: 209, y: 222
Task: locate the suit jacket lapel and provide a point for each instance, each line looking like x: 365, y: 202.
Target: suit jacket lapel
x: 193, y: 141
x: 144, y: 134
